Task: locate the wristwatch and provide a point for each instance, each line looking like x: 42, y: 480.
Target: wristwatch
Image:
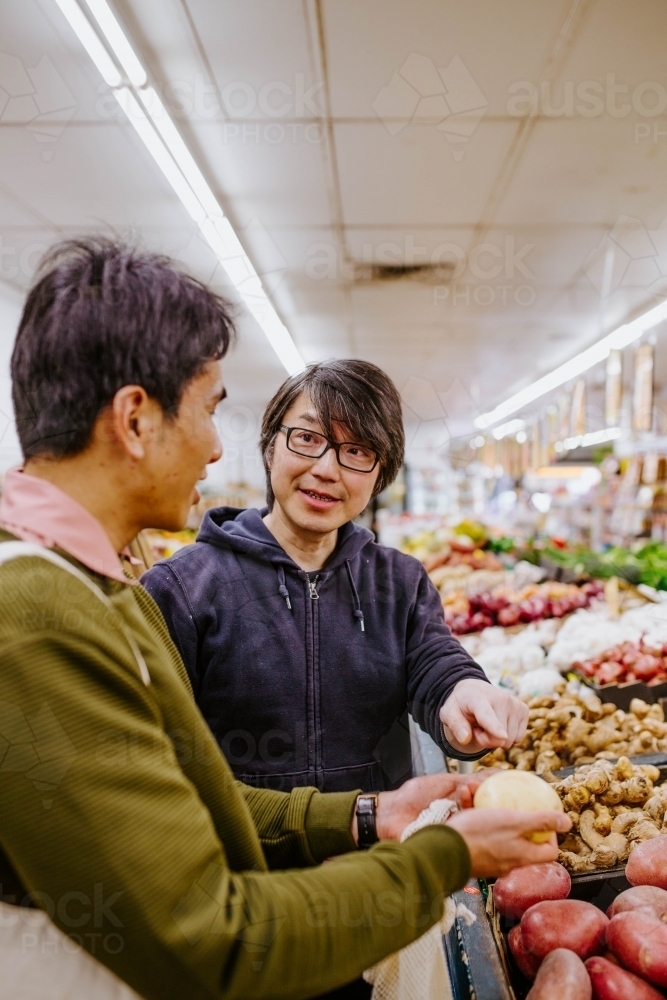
x: 366, y: 810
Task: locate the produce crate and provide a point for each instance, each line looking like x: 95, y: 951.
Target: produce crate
x: 598, y: 888
x: 479, y: 962
x: 476, y: 967
x: 622, y: 694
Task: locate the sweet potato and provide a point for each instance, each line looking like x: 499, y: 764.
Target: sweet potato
x: 526, y: 963
x: 639, y: 941
x: 562, y: 974
x: 641, y: 897
x: 610, y: 982
x: 647, y: 865
x: 564, y: 923
x: 522, y: 888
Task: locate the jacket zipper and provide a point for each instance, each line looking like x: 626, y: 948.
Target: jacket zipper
x: 314, y: 737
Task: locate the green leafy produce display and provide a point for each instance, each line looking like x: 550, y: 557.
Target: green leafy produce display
x: 499, y: 545
x: 647, y: 564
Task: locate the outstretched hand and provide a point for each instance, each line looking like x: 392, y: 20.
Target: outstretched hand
x: 478, y: 716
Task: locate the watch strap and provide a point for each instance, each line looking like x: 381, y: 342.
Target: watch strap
x: 366, y: 811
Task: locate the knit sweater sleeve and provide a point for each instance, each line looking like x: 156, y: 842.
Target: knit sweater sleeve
x: 436, y: 662
x: 103, y: 827
x: 301, y: 826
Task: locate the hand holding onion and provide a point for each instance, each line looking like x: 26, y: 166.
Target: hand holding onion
x: 521, y: 791
x: 514, y: 823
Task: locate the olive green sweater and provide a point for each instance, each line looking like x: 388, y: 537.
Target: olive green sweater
x: 120, y: 817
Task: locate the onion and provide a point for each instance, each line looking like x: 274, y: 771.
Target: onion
x: 522, y: 791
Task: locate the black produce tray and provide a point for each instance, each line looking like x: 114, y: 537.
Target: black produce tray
x: 622, y: 694
x: 475, y: 966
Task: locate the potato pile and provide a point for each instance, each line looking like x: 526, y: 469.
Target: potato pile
x: 571, y: 948
x: 613, y: 808
x: 568, y: 730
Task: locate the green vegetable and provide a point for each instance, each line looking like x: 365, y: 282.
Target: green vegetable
x: 504, y: 544
x: 645, y: 564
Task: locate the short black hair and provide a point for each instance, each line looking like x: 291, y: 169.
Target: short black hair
x: 354, y: 393
x: 104, y: 314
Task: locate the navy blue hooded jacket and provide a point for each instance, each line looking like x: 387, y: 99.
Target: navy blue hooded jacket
x: 307, y: 679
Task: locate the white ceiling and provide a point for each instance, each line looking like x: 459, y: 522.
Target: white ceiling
x: 336, y: 160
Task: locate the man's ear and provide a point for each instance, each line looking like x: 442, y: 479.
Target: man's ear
x: 132, y: 420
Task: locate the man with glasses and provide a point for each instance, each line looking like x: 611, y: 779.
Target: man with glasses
x: 306, y: 642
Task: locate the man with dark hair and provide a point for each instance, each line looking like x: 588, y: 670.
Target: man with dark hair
x: 120, y: 818
x: 305, y: 641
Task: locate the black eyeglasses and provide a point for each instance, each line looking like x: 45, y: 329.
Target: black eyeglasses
x: 310, y: 444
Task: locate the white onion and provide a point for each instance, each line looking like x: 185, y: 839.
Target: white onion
x: 522, y: 791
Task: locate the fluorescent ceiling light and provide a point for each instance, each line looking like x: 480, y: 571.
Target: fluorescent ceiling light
x: 180, y: 152
x: 588, y: 440
x: 162, y: 139
x: 91, y: 43
x: 116, y: 38
x: 618, y: 339
x: 511, y: 427
x: 137, y: 116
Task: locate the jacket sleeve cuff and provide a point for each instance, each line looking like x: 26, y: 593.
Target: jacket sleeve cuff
x: 329, y: 824
x: 450, y: 751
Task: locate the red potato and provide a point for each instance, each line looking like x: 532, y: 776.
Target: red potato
x: 527, y: 964
x: 611, y: 982
x: 647, y: 865
x: 639, y: 941
x: 522, y: 888
x: 648, y: 898
x: 564, y: 923
x: 562, y: 975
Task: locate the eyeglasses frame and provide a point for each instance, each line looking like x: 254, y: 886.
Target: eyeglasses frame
x: 336, y: 446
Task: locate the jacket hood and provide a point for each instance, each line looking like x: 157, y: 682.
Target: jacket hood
x: 244, y: 531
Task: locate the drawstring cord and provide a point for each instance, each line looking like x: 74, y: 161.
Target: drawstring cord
x: 282, y: 589
x: 358, y: 613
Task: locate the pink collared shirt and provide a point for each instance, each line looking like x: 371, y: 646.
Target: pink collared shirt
x: 37, y: 511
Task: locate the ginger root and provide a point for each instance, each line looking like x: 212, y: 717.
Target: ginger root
x: 637, y: 789
x: 656, y: 806
x: 625, y: 821
x: 644, y: 829
x: 603, y: 819
x: 605, y: 856
x: 624, y: 769
x: 576, y: 863
x: 616, y: 806
x: 565, y: 730
x: 613, y: 794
